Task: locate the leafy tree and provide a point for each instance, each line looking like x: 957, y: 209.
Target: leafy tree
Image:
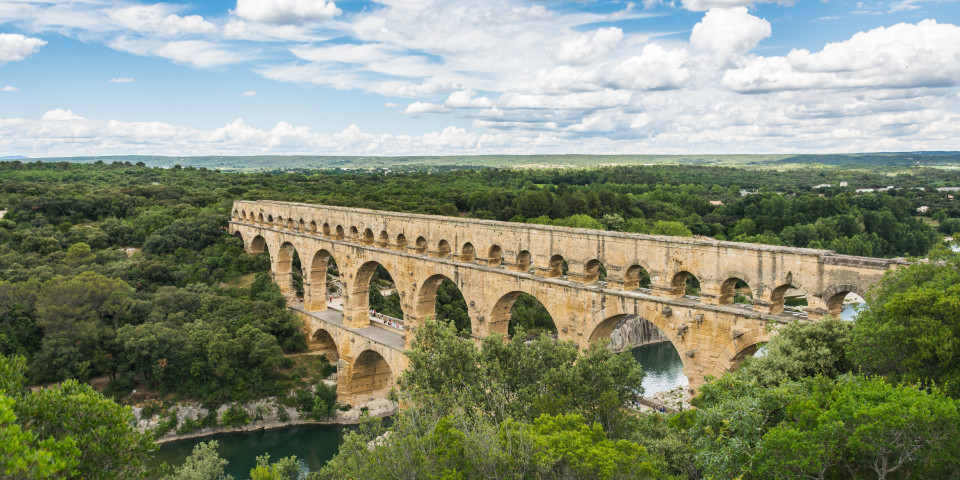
x: 803, y: 349
x: 204, y: 463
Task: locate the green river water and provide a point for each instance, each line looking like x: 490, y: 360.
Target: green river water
x: 314, y: 445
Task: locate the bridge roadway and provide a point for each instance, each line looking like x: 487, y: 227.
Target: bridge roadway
x: 492, y: 263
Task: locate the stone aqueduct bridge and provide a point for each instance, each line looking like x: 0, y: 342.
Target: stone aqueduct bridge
x: 494, y: 262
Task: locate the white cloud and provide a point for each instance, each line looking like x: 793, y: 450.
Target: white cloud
x: 728, y: 33
x: 655, y: 67
x: 249, y: 93
x: 417, y: 108
x: 9, y: 88
x: 15, y: 47
x: 466, y: 99
x: 160, y: 19
x: 702, y: 5
x: 195, y: 53
x: 586, y: 48
x: 61, y: 115
x: 122, y: 80
x: 923, y: 55
x: 286, y: 11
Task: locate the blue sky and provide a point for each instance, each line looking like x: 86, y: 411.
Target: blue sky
x: 246, y: 77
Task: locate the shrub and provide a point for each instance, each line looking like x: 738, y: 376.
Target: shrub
x: 235, y: 416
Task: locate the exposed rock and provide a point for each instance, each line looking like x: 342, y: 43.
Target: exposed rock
x: 634, y: 331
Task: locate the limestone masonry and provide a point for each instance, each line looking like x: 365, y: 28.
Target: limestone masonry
x: 494, y: 262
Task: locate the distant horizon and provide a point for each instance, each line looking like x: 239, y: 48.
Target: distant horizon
x: 501, y: 77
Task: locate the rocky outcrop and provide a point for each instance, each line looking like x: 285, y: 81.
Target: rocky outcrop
x: 634, y: 331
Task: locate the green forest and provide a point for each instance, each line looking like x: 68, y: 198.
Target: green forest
x: 126, y: 273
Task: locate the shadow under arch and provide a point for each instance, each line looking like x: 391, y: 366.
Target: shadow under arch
x: 323, y: 343
x: 322, y: 267
x: 258, y: 245
x: 636, y: 277
x: 779, y: 299
x: 744, y: 344
x: 370, y: 377
x: 521, y: 309
x: 289, y: 272
x: 441, y: 298
x: 371, y: 277
x: 735, y: 290
x: 685, y: 283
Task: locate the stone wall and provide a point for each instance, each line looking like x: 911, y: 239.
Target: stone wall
x: 634, y: 331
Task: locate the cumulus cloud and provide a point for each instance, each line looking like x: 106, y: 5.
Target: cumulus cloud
x: 905, y: 55
x: 160, y: 19
x: 702, y: 5
x: 418, y: 108
x: 728, y: 33
x: 286, y: 11
x: 655, y: 68
x: 15, y: 47
x: 122, y: 80
x: 585, y: 48
x: 467, y: 99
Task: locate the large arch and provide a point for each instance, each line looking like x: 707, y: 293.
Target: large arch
x: 742, y: 345
x: 322, y: 342
x: 258, y: 245
x: 362, y: 291
x: 636, y: 277
x: 603, y: 325
x: 685, y: 283
x: 288, y: 272
x: 316, y: 291
x: 429, y: 303
x: 834, y: 296
x: 501, y: 315
x: 370, y: 377
x: 735, y: 290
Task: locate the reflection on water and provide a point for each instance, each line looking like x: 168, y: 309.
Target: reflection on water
x: 314, y: 445
x: 662, y: 365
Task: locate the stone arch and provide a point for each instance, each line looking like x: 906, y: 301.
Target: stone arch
x: 383, y: 240
x: 421, y: 245
x: 260, y: 218
x: 503, y: 308
x: 636, y: 277
x: 426, y: 305
x: 313, y: 227
x: 555, y: 269
x: 354, y: 233
x: 284, y: 272
x: 468, y: 253
x: 495, y: 256
x: 258, y: 244
x: 778, y: 298
x: 323, y: 343
x: 401, y: 242
x: 279, y: 223
x: 326, y: 230
x: 240, y: 236
x: 593, y: 271
x: 316, y: 292
x: 524, y: 261
x: 370, y: 376
x: 302, y: 226
x: 835, y: 295
x: 359, y: 297
x: 339, y: 233
x: 367, y: 238
x: 269, y: 220
x: 743, y: 344
x: 685, y: 283
x: 443, y: 249
x: 236, y: 213
x: 290, y: 224
x: 735, y: 290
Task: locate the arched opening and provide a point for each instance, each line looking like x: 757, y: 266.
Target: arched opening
x: 260, y: 218
x: 382, y: 299
x: 649, y: 346
x: 441, y: 298
x: 594, y: 271
x: 289, y: 273
x: 279, y: 223
x: 269, y: 220
x: 290, y: 224
x: 685, y: 284
x: 313, y: 227
x: 556, y: 266
x: 636, y: 277
x: 843, y: 301
x: 495, y: 256
x: 322, y: 343
x: 258, y: 244
x: 524, y: 261
x: 443, y: 249
x: 236, y: 214
x: 354, y: 233
x: 326, y: 230
x: 788, y: 299
x: 383, y: 240
x: 367, y: 238
x: 521, y: 310
x: 370, y: 378
x: 467, y: 253
x: 735, y: 290
x: 401, y: 242
x: 339, y: 234
x: 302, y: 226
x: 748, y: 351
x: 421, y: 245
x: 323, y: 282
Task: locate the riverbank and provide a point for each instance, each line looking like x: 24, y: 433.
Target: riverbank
x: 187, y: 420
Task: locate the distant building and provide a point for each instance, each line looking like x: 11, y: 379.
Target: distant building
x: 823, y: 185
x: 923, y: 209
x: 948, y: 189
x: 843, y: 184
x: 866, y: 190
x: 949, y: 197
x: 716, y: 203
x: 744, y: 193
